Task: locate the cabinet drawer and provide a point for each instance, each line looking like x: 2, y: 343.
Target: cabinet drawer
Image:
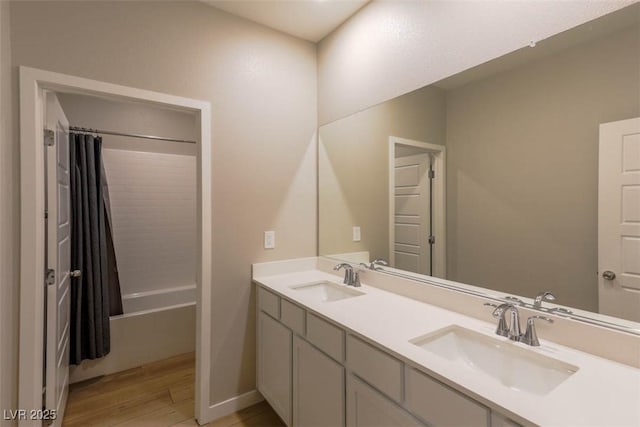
x: 439, y: 405
x: 269, y: 302
x: 376, y: 367
x: 325, y: 336
x: 292, y: 316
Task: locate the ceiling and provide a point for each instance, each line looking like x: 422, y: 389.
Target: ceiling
x: 308, y: 19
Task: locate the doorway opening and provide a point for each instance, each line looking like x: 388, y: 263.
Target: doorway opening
x: 44, y: 264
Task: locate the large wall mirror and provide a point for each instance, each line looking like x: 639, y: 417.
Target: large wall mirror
x: 502, y: 176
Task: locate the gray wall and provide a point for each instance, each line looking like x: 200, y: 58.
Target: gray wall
x: 522, y: 169
x: 353, y: 168
x: 262, y: 88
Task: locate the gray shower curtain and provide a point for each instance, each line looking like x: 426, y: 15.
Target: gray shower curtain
x: 95, y: 294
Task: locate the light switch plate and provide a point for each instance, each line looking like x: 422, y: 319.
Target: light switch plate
x: 356, y: 233
x: 269, y: 239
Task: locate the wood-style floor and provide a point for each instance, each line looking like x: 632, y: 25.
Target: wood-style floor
x: 157, y: 394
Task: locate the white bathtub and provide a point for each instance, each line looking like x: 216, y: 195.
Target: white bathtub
x: 145, y: 302
x: 155, y: 325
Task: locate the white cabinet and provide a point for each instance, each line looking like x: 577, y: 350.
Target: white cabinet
x: 366, y: 407
x: 274, y: 365
x: 313, y: 373
x: 498, y: 420
x: 318, y: 387
x: 439, y: 405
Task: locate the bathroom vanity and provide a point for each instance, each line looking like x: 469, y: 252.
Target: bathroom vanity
x: 333, y: 355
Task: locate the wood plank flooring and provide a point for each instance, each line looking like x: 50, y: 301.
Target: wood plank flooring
x: 157, y: 394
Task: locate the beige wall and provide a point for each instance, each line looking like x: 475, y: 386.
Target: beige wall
x: 393, y: 47
x: 353, y: 168
x: 262, y: 87
x: 523, y: 169
x: 8, y: 226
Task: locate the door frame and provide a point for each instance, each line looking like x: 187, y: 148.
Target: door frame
x: 439, y: 201
x: 33, y: 83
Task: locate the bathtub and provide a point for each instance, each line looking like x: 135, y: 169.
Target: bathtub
x: 163, y: 299
x: 155, y: 325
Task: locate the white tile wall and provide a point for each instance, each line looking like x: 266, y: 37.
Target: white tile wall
x: 153, y: 207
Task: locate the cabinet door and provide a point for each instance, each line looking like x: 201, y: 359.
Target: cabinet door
x: 318, y: 387
x: 367, y: 407
x: 274, y: 365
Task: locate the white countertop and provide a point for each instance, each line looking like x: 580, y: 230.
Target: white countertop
x: 600, y: 393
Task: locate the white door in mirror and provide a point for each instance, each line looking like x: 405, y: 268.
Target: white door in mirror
x: 412, y: 219
x: 619, y: 219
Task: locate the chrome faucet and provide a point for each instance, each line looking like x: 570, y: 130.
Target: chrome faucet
x: 530, y: 337
x: 513, y: 331
x: 548, y: 296
x: 351, y: 277
x: 375, y: 264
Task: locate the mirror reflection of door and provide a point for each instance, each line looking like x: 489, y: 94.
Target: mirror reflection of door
x: 619, y: 219
x: 412, y: 219
x: 416, y: 206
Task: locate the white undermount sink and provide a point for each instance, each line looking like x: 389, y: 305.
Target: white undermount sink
x: 325, y: 290
x: 514, y: 367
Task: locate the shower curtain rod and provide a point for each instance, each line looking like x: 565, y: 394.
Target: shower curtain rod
x: 132, y: 135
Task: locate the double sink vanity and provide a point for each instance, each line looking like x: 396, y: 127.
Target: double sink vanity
x: 333, y: 355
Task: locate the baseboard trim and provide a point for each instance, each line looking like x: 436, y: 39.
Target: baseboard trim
x: 230, y: 406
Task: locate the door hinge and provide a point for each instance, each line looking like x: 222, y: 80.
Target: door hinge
x: 46, y: 214
x: 50, y: 277
x: 49, y: 137
x: 432, y: 174
x: 432, y: 240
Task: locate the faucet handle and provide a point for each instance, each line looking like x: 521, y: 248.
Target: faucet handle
x: 547, y: 296
x: 514, y: 300
x: 560, y: 310
x: 378, y: 261
x: 374, y: 263
x: 530, y: 336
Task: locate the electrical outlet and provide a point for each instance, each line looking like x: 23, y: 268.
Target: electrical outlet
x: 269, y: 239
x: 356, y: 233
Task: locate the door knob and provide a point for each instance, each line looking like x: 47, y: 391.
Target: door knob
x: 76, y: 273
x: 608, y: 275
